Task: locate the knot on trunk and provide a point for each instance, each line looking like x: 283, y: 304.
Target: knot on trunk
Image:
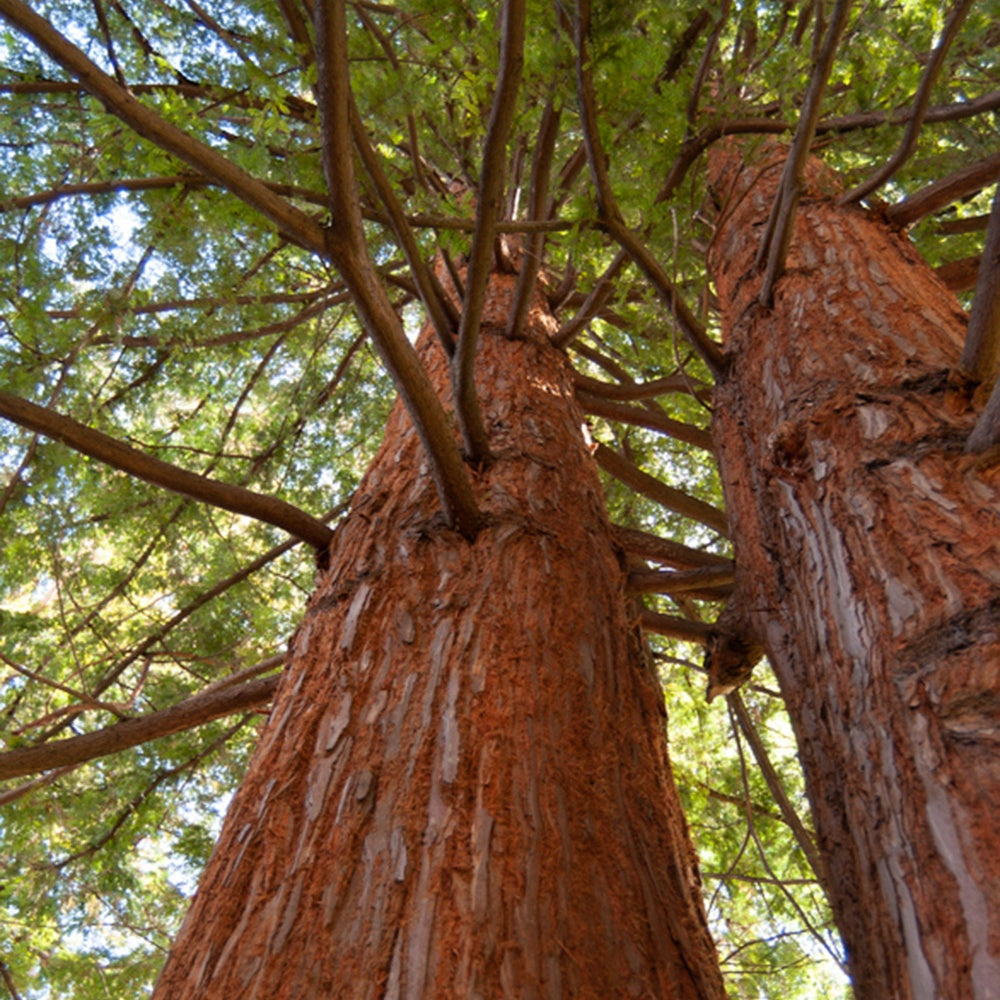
x: 731, y: 652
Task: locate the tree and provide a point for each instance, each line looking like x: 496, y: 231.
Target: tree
x: 851, y: 493
x: 535, y: 188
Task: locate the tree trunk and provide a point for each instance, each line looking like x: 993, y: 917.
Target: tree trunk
x: 463, y: 789
x: 868, y: 566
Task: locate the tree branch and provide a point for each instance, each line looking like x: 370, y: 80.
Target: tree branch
x: 717, y: 581
x: 123, y: 457
x: 778, y: 234
x: 346, y: 246
x: 607, y: 206
x: 706, y: 348
x: 943, y: 192
x: 671, y: 626
x: 776, y: 787
x: 488, y: 198
x: 439, y: 307
x: 649, y: 486
x: 981, y: 356
x: 638, y: 390
x: 593, y: 303
x: 652, y: 419
x: 986, y: 433
x: 187, y: 714
x: 922, y: 99
x: 293, y: 224
x: 531, y: 258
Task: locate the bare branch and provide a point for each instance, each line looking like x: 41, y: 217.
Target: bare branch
x: 655, y: 489
x: 531, y: 258
x: 778, y: 234
x: 943, y: 192
x: 593, y: 303
x: 488, y: 199
x: 938, y: 113
x: 638, y: 390
x: 121, y: 456
x: 671, y: 626
x: 193, y: 711
x: 652, y: 419
x: 440, y: 310
x: 776, y: 787
x: 666, y: 551
x: 298, y: 29
x: 927, y: 81
x: 346, y: 246
x: 709, y: 582
x: 986, y: 433
x: 960, y: 275
x: 706, y: 348
x: 981, y: 357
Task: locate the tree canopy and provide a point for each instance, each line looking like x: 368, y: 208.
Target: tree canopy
x: 196, y: 371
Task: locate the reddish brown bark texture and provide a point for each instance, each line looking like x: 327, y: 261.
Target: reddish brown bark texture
x: 867, y: 556
x: 463, y: 789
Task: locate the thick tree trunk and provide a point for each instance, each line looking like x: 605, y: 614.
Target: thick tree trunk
x: 463, y: 789
x: 868, y: 564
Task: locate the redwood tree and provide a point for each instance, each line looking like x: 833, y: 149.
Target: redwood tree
x: 859, y: 516
x: 223, y: 225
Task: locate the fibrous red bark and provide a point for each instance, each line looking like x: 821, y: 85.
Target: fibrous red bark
x: 868, y: 563
x: 463, y: 789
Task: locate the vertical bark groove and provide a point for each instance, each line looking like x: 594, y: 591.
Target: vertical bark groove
x: 463, y: 789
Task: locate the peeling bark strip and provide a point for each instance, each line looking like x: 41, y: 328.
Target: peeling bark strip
x: 867, y: 547
x: 463, y: 788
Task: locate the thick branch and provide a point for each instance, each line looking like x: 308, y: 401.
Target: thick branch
x: 491, y: 180
x: 943, y: 192
x: 673, y: 627
x: 960, y: 275
x: 187, y: 714
x: 121, y: 456
x: 639, y: 390
x: 666, y: 551
x: 652, y: 419
x: 716, y: 579
x: 655, y: 489
x: 986, y: 433
x: 348, y: 250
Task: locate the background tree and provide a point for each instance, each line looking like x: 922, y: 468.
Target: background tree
x: 183, y: 278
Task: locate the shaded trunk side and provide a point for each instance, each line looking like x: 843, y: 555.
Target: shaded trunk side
x: 463, y: 789
x: 868, y: 562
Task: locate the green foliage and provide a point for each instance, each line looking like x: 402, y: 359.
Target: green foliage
x: 169, y: 314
